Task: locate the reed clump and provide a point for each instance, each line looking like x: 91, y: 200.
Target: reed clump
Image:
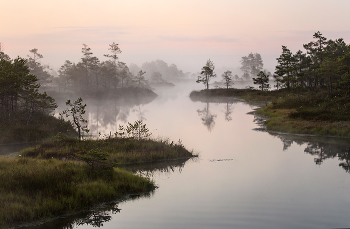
x: 35, y: 189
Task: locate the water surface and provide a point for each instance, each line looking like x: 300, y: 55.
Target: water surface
x: 244, y: 177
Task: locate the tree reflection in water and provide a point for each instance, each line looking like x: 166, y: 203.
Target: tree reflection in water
x: 150, y: 169
x: 208, y: 119
x: 140, y: 113
x: 102, y: 213
x: 95, y: 217
x: 102, y: 115
x: 228, y: 111
x: 321, y: 147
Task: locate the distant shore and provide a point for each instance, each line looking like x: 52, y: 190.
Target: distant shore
x: 289, y: 112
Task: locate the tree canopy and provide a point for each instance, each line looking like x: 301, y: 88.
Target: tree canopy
x: 251, y: 65
x: 207, y: 73
x: 19, y: 93
x: 325, y: 64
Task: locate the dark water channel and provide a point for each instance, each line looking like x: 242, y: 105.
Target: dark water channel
x: 245, y: 177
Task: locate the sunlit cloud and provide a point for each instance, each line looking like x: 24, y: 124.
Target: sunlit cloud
x: 214, y: 39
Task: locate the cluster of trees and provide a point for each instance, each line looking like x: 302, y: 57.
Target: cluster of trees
x: 91, y: 74
x: 208, y: 72
x: 326, y: 64
x: 167, y: 72
x: 20, y: 98
x: 251, y: 65
x: 37, y: 69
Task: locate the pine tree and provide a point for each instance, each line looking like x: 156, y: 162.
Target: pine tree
x: 262, y: 80
x: 207, y: 73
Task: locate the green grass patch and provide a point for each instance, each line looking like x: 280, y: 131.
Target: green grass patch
x: 246, y: 94
x: 34, y: 189
x: 281, y: 120
x: 119, y: 150
x: 53, y: 178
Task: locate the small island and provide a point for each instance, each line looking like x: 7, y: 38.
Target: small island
x: 312, y: 90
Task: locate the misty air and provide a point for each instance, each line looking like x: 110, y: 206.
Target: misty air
x: 174, y: 114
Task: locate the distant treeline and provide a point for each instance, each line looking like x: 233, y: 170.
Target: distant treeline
x: 155, y: 68
x: 326, y: 64
x: 91, y: 74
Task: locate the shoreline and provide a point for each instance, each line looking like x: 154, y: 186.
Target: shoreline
x: 48, y: 181
x: 277, y: 119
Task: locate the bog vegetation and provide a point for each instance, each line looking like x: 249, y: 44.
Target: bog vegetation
x: 68, y: 174
x: 33, y: 189
x: 312, y: 89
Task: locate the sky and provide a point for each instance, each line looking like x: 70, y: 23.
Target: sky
x: 184, y: 32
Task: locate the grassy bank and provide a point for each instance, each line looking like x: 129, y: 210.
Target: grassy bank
x: 119, y: 150
x: 33, y: 189
x: 246, y: 94
x: 310, y: 112
x: 67, y: 175
x: 280, y: 120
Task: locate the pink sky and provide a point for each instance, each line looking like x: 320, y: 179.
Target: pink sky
x: 183, y: 32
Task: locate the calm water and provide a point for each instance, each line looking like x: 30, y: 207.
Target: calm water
x: 244, y: 177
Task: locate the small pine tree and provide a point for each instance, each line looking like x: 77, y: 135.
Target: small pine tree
x: 227, y: 78
x: 77, y: 109
x: 262, y: 80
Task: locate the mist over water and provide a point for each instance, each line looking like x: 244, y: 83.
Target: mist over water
x: 244, y: 177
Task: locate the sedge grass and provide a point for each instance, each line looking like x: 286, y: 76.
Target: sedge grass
x: 120, y: 150
x: 280, y: 120
x: 48, y: 180
x: 34, y: 189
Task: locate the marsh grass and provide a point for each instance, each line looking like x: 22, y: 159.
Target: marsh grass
x: 246, y: 94
x: 283, y: 120
x: 53, y: 178
x: 120, y: 150
x: 33, y: 189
